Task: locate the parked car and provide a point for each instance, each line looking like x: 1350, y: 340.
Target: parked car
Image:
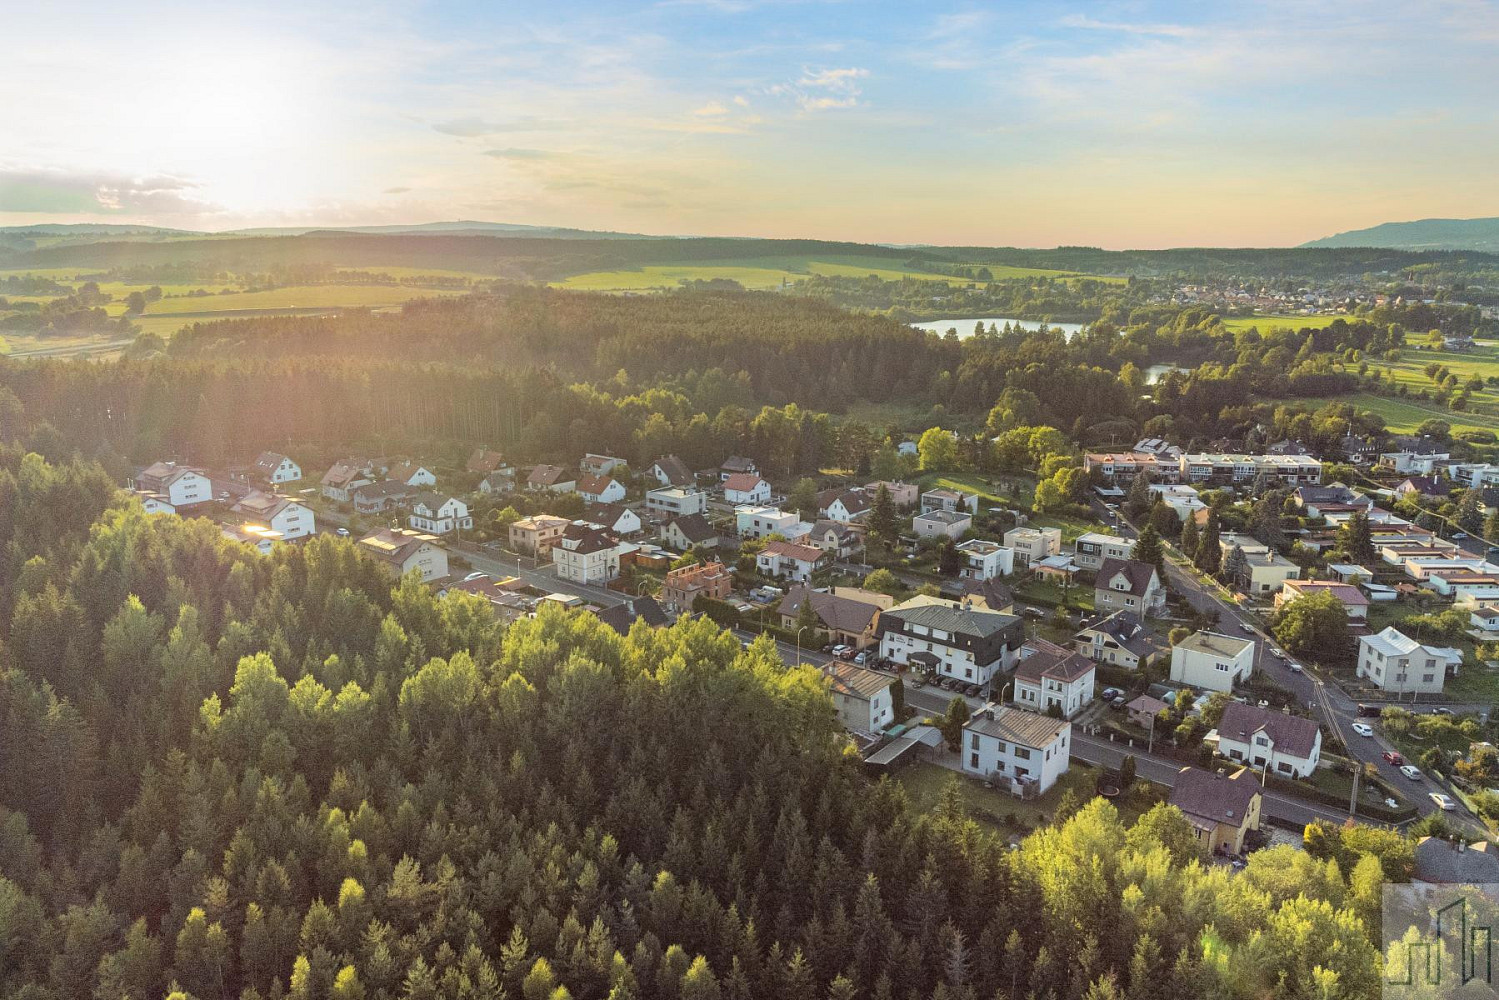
x: 1441, y: 710
x: 1246, y: 627
x: 1363, y: 729
x: 342, y: 532
x: 1109, y: 693
x: 860, y: 658
x: 1392, y: 757
x: 1412, y: 772
x: 1278, y: 653
x: 1033, y: 613
x: 1295, y: 667
x: 1443, y: 802
x: 1369, y: 711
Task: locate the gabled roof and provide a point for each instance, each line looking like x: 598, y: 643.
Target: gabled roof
x: 1438, y: 860
x: 675, y: 470
x: 743, y: 482
x: 584, y: 538
x: 432, y: 499
x: 825, y: 525
x: 621, y: 616
x: 1214, y: 797
x: 261, y: 504
x: 485, y: 461
x: 789, y: 550
x: 842, y: 614
x: 1126, y: 629
x: 694, y: 527
x: 593, y: 484
x: 1391, y: 642
x: 1011, y: 725
x: 394, y: 545
x: 1431, y: 486
x: 1145, y: 703
x: 856, y: 682
x: 1347, y: 593
x: 1053, y: 663
x: 391, y: 488
x: 993, y: 591
x: 607, y: 514
x: 854, y: 501
x: 344, y: 471
x: 963, y: 621
x: 269, y: 461
x: 547, y: 475
x: 738, y: 463
x: 1292, y: 735
x: 1138, y: 574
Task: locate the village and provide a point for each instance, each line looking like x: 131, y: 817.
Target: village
x: 959, y: 633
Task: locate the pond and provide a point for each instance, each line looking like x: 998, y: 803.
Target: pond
x: 965, y: 326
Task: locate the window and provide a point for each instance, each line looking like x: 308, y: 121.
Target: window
x: 973, y: 761
x: 1023, y: 753
x: 975, y: 743
x: 1427, y: 678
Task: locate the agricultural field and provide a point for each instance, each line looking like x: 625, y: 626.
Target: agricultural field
x: 762, y: 273
x: 297, y: 297
x: 1262, y: 323
x: 1405, y: 415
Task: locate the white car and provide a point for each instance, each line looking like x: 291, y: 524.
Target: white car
x: 1295, y: 667
x: 1443, y: 802
x: 1363, y: 729
x: 1278, y: 653
x: 1245, y: 626
x: 1411, y: 771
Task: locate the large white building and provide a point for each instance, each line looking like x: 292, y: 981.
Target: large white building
x: 277, y: 469
x: 675, y: 501
x: 1392, y: 661
x: 948, y: 640
x: 586, y: 554
x: 1024, y: 751
x: 401, y: 551
x: 1212, y: 662
x: 1031, y: 545
x: 290, y: 518
x: 760, y: 522
x: 861, y: 697
x: 1049, y: 676
x: 164, y: 487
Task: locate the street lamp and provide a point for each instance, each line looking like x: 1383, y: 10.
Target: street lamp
x: 799, y: 643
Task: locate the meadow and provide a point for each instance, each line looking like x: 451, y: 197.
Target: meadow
x: 1263, y: 323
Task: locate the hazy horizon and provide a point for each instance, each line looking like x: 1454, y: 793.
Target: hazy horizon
x: 1130, y: 125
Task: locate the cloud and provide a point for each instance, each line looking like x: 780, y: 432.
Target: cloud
x: 713, y: 109
x: 397, y: 190
x: 1126, y: 28
x: 515, y: 153
x: 476, y: 128
x: 824, y: 89
x: 834, y: 79
x: 742, y: 101
x: 97, y: 193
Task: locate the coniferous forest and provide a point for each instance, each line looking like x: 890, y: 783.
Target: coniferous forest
x: 224, y: 774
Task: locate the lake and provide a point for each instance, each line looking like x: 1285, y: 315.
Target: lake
x: 965, y: 326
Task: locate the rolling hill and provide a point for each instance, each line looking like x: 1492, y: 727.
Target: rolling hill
x: 1422, y: 234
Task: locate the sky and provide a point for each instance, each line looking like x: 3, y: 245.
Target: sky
x: 1012, y: 124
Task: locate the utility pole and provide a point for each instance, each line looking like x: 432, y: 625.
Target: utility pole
x: 1353, y: 796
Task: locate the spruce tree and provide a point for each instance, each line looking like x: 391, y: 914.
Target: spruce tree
x: 1148, y: 549
x: 884, y: 523
x: 1209, y: 555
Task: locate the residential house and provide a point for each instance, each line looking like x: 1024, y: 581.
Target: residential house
x: 1358, y: 450
x: 535, y: 536
x: 1353, y: 600
x: 683, y: 585
x: 1021, y: 751
x: 675, y: 501
x: 835, y: 538
x: 1485, y: 618
x: 403, y: 550
x: 1265, y: 570
x: 1227, y: 469
x: 1287, y: 447
x: 1120, y: 640
x: 682, y: 533
x: 1157, y: 446
x: 586, y: 554
x: 669, y: 470
x: 1394, y: 662
x: 1336, y: 498
x: 950, y: 500
x: 761, y: 522
x: 166, y: 487
x: 1031, y: 545
x: 1424, y: 487
x: 439, y: 513
x: 1221, y: 808
x: 984, y: 560
x: 788, y: 559
x: 849, y: 506
x: 901, y: 494
x: 1289, y: 745
x: 552, y: 478
x: 344, y: 477
x: 1091, y: 549
x: 1208, y: 661
x: 614, y: 516
x: 1127, y: 585
x: 482, y: 462
x: 1415, y: 456
x: 412, y: 474
x: 1184, y: 501
x: 599, y: 465
x: 263, y: 539
x: 508, y: 605
x: 499, y: 481
x: 846, y: 620
x: 737, y: 465
x: 1050, y: 678
x: 942, y: 524
x: 1440, y: 861
x: 988, y: 595
x: 376, y: 498
x: 601, y: 489
x: 746, y: 488
x: 622, y: 617
x: 950, y: 640
x: 862, y: 698
x: 1144, y: 710
x: 288, y: 517
x: 271, y: 467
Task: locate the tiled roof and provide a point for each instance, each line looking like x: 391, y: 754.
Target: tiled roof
x: 1053, y: 663
x: 842, y: 614
x: 966, y: 621
x: 788, y: 550
x: 695, y: 528
x: 1137, y: 573
x: 1292, y: 735
x: 1014, y: 726
x: 1213, y: 796
x: 743, y: 482
x: 676, y: 470
x: 851, y: 680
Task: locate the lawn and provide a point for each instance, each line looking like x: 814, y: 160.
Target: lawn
x: 1263, y: 323
x: 1077, y: 596
x: 1017, y: 490
x: 1004, y: 813
x: 1403, y: 416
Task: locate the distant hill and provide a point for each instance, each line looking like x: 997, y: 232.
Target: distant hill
x: 1423, y: 234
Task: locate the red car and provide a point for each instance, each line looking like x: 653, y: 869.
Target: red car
x: 1391, y: 757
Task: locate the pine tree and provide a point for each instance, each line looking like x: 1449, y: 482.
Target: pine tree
x: 1190, y: 536
x: 1358, y: 542
x: 1236, y: 566
x: 1137, y: 498
x: 1148, y: 549
x: 884, y: 523
x: 1209, y: 554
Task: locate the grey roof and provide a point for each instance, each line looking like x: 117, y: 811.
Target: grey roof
x: 621, y: 616
x: 676, y: 470
x: 1292, y: 735
x: 1213, y: 796
x: 1438, y: 860
x: 843, y: 614
x: 1055, y: 663
x: 695, y: 528
x: 1137, y: 573
x: 944, y: 516
x: 993, y: 590
x: 1125, y: 628
x: 967, y: 621
x: 1014, y: 726
x: 386, y: 488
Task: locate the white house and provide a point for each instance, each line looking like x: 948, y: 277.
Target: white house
x: 849, y: 506
x: 1290, y: 745
x: 1091, y: 549
x: 277, y: 469
x: 1031, y: 545
x: 616, y: 517
x: 290, y: 518
x: 1208, y: 661
x: 746, y: 488
x: 586, y: 554
x: 498, y: 481
x: 601, y: 489
x: 1392, y: 661
x: 669, y: 470
x: 787, y: 559
x: 674, y: 501
x: 344, y: 477
x: 1050, y: 676
x: 551, y: 478
x: 1127, y: 585
x: 1024, y: 751
x: 861, y: 697
x: 758, y: 522
x: 984, y: 560
x: 262, y: 539
x: 945, y: 499
x: 164, y: 487
x: 1183, y: 500
x: 1485, y: 618
x: 439, y: 514
x: 946, y: 639
x: 412, y: 474
x: 942, y: 524
x: 401, y: 550
x: 599, y: 465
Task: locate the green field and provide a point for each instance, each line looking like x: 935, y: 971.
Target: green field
x: 1263, y: 323
x: 771, y: 272
x: 293, y: 297
x: 1402, y: 415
